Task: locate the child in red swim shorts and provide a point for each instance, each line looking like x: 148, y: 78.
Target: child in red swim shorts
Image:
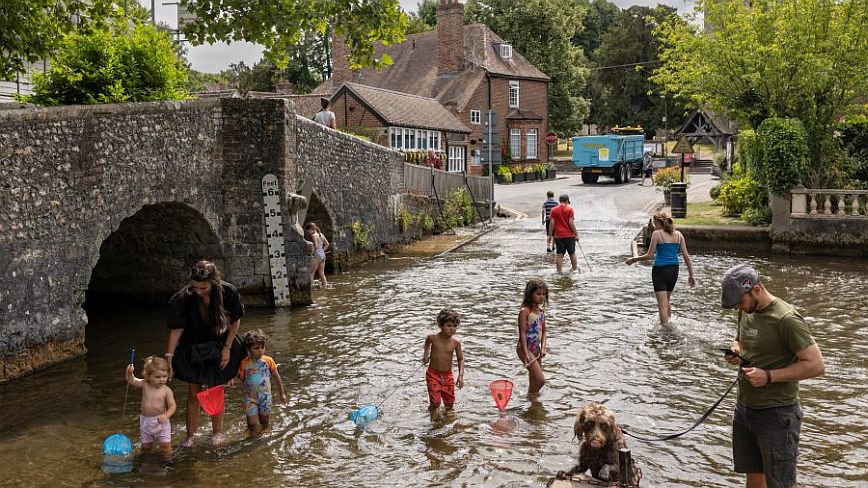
x: 439, y: 348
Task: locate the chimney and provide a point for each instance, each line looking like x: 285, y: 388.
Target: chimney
x: 340, y: 64
x: 450, y: 36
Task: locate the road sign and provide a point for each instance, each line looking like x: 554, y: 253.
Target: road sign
x: 682, y: 146
x: 551, y: 138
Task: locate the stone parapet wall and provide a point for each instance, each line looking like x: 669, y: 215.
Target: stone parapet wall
x: 355, y: 179
x: 831, y: 235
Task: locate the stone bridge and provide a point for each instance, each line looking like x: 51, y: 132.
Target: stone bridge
x: 113, y: 203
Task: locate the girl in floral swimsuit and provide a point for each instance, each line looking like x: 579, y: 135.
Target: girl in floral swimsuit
x: 531, y: 347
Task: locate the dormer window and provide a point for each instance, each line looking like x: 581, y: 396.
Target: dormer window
x: 505, y: 51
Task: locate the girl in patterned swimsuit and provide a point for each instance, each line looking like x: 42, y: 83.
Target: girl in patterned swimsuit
x: 256, y: 372
x: 531, y: 347
x: 318, y: 244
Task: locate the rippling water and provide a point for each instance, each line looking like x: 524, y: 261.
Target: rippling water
x: 363, y: 340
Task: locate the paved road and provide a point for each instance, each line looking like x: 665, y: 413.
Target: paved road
x: 601, y: 202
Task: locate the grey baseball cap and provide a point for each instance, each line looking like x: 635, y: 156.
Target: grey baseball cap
x: 737, y: 281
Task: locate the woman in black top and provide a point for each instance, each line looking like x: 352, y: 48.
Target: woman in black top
x: 203, y: 349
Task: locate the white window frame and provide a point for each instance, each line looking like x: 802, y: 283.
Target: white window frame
x: 506, y: 51
x: 456, y: 160
x: 475, y: 117
x: 514, y: 98
x: 403, y: 139
x: 515, y: 143
x: 532, y: 143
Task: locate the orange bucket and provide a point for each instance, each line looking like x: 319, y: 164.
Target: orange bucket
x: 211, y: 400
x: 501, y: 390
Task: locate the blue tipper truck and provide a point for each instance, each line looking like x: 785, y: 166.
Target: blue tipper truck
x: 617, y: 154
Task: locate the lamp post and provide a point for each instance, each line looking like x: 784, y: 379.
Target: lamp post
x: 665, y: 126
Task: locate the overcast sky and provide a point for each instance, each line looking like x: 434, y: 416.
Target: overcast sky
x: 212, y: 59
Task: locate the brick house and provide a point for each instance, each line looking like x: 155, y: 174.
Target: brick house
x: 469, y: 70
x: 404, y: 122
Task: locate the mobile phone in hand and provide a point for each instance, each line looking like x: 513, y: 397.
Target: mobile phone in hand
x: 729, y: 352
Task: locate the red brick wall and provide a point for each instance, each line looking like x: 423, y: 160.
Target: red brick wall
x: 450, y: 36
x: 533, y: 97
x: 353, y: 114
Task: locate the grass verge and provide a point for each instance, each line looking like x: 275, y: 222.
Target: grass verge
x: 707, y: 213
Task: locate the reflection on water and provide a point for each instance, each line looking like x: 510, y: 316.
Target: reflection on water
x: 364, y: 338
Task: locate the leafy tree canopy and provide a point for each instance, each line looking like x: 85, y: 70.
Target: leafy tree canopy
x: 619, y: 86
x: 121, y: 64
x: 30, y: 30
x: 280, y: 25
x: 541, y: 30
x: 424, y: 18
x: 600, y: 16
x: 802, y: 59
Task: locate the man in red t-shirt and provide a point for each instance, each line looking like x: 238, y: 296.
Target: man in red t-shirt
x: 563, y: 229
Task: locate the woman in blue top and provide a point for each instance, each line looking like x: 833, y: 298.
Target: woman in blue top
x: 666, y: 244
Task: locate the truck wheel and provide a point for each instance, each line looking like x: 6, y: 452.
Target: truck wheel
x: 619, y: 174
x: 586, y: 178
x: 594, y: 178
x: 627, y: 173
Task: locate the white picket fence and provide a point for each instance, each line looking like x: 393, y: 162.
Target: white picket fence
x: 430, y: 182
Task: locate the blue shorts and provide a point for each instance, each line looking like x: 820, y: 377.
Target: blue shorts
x: 766, y: 440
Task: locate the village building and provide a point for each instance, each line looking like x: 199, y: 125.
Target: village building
x: 467, y: 69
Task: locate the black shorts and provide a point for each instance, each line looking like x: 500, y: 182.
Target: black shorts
x: 565, y: 245
x: 664, y: 277
x: 548, y: 226
x: 766, y: 440
x: 649, y: 173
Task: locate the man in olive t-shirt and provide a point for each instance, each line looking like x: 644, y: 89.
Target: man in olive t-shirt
x: 777, y: 343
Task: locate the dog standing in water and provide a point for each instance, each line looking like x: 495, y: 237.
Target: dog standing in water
x: 601, y: 440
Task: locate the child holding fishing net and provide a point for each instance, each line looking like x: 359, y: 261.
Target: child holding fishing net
x: 256, y: 372
x: 531, y: 347
x: 158, y: 404
x: 439, y: 349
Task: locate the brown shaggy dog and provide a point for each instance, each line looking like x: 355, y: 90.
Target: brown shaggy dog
x: 601, y: 440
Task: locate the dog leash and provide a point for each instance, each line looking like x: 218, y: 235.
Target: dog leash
x: 696, y: 424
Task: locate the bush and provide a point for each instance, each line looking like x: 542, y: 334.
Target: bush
x: 782, y: 155
x: 740, y: 192
x: 361, y: 235
x: 405, y: 219
x: 125, y: 64
x: 504, y: 171
x: 715, y: 191
x: 757, y: 216
x: 665, y: 177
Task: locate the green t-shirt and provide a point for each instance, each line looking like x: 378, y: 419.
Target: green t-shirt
x: 770, y: 339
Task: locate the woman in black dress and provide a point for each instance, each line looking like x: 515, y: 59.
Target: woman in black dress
x: 203, y: 349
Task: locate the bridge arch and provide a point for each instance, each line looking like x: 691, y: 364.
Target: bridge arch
x: 319, y: 214
x: 146, y: 259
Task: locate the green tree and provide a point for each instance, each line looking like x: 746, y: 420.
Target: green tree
x: 280, y: 25
x: 600, y: 15
x: 619, y: 86
x: 803, y: 60
x: 541, y: 30
x: 424, y: 18
x: 31, y: 30
x: 122, y: 64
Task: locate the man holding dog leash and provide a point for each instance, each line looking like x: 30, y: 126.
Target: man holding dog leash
x: 777, y: 342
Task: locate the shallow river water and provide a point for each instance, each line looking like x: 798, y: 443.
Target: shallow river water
x: 363, y: 339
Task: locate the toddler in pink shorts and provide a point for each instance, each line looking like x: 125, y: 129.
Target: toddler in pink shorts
x: 158, y: 404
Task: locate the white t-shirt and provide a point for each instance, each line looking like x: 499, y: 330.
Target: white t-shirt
x: 325, y: 117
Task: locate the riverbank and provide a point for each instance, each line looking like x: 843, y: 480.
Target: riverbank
x: 438, y: 244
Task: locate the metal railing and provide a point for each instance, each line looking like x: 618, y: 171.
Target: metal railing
x: 435, y: 183
x: 828, y: 203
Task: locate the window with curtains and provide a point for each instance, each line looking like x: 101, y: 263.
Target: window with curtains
x: 404, y: 139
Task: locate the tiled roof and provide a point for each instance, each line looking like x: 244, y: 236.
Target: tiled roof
x: 406, y: 110
x: 414, y: 67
